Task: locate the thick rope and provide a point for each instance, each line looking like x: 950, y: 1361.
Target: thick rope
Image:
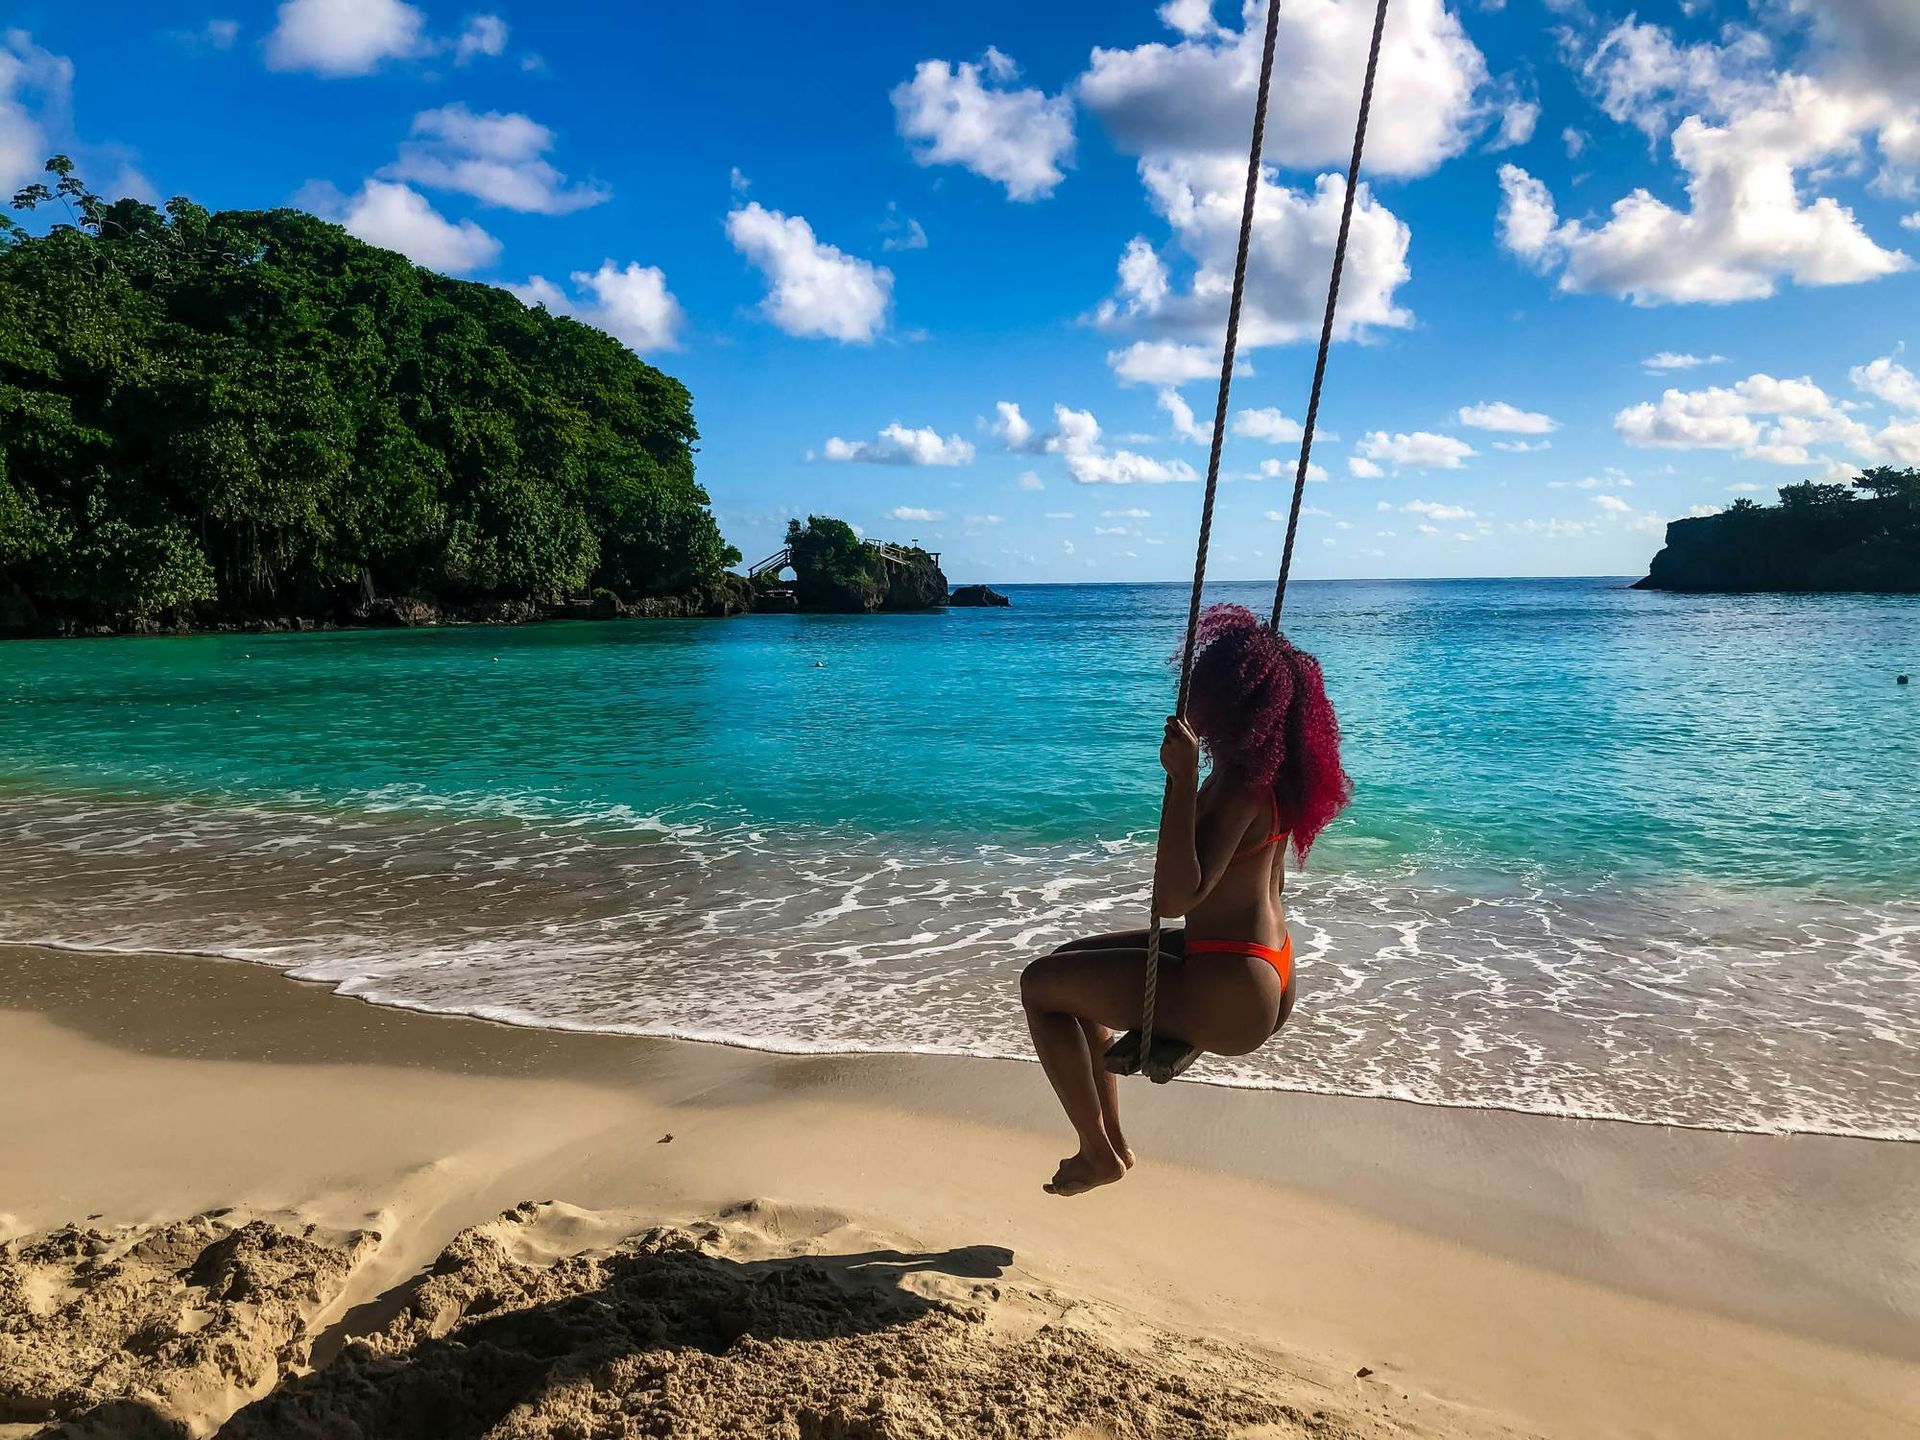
x: 1333, y: 301
x: 1151, y: 989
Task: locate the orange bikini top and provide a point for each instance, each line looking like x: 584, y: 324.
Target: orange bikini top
x: 1274, y: 835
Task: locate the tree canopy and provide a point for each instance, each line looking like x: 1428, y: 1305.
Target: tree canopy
x: 254, y: 413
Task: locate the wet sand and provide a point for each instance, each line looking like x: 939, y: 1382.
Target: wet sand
x: 1497, y: 1273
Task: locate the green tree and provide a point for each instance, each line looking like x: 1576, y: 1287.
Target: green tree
x: 1883, y: 482
x: 1815, y: 495
x: 253, y: 412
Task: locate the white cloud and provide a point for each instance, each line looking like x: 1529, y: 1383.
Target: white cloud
x: 1872, y: 42
x: 1436, y: 510
x: 1161, y: 362
x: 1192, y: 97
x: 1762, y: 418
x: 1750, y: 131
x: 1363, y: 469
x: 1574, y: 140
x: 1612, y: 480
x: 212, y: 35
x: 36, y: 88
x: 913, y: 512
x: 1181, y: 414
x: 1294, y: 233
x: 1136, y: 513
x: 1613, y: 504
x: 498, y: 158
x: 907, y: 234
x: 1669, y: 360
x: 1012, y: 429
x: 1289, y: 469
x: 898, y: 445
x: 485, y: 35
x: 1421, y: 450
x: 1017, y: 433
x: 963, y: 115
x: 1510, y: 419
x: 1181, y: 108
x: 1554, y: 529
x: 1268, y: 424
x: 401, y: 219
x: 813, y: 289
x: 1030, y: 481
x: 1890, y: 381
x: 1076, y: 439
x: 1910, y: 222
x: 630, y: 302
x: 1517, y: 121
x: 1522, y: 447
x: 344, y: 37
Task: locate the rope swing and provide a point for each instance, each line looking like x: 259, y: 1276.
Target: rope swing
x: 1135, y: 1051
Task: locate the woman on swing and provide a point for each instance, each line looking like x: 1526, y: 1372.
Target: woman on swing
x: 1259, y: 708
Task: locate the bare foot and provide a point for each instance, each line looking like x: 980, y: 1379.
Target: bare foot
x: 1083, y: 1172
x: 1121, y: 1148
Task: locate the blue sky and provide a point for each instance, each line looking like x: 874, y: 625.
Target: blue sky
x: 1611, y: 267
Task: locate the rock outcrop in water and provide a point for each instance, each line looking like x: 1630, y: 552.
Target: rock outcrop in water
x: 1821, y: 537
x: 836, y: 571
x: 977, y: 595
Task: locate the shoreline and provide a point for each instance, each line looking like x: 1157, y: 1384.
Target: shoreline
x: 853, y: 1050
x: 1522, y: 1264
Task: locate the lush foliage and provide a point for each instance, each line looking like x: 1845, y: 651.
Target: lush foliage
x: 828, y: 555
x: 252, y: 412
x: 1821, y: 536
x: 834, y: 569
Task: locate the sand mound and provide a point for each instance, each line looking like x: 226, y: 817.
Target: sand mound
x: 160, y: 1330
x: 724, y: 1330
x: 554, y: 1323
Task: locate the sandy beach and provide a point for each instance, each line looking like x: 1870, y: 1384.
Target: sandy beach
x: 859, y: 1246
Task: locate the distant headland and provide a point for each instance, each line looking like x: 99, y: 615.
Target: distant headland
x: 1820, y: 537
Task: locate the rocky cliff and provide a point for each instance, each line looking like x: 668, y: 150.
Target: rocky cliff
x: 1820, y: 539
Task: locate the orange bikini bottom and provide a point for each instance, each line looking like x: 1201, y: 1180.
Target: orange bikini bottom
x: 1281, y: 959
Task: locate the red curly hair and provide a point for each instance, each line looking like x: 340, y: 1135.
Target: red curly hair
x: 1259, y: 705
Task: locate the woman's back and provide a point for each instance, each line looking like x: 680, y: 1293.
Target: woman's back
x: 1245, y: 904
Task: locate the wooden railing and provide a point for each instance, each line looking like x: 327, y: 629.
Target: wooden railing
x: 783, y: 557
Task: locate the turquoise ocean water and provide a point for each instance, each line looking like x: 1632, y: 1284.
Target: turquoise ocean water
x: 1612, y: 853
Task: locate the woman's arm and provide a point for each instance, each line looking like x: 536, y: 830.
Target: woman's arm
x: 1191, y: 858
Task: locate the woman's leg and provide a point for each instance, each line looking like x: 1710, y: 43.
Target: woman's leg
x: 1099, y: 1038
x: 1073, y: 996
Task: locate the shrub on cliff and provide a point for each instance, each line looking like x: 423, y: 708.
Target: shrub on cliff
x: 253, y: 412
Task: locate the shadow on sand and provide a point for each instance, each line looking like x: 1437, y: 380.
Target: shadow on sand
x: 620, y: 1356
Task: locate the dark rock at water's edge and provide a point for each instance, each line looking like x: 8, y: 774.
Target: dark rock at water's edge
x: 977, y: 595
x: 1820, y: 538
x: 723, y: 596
